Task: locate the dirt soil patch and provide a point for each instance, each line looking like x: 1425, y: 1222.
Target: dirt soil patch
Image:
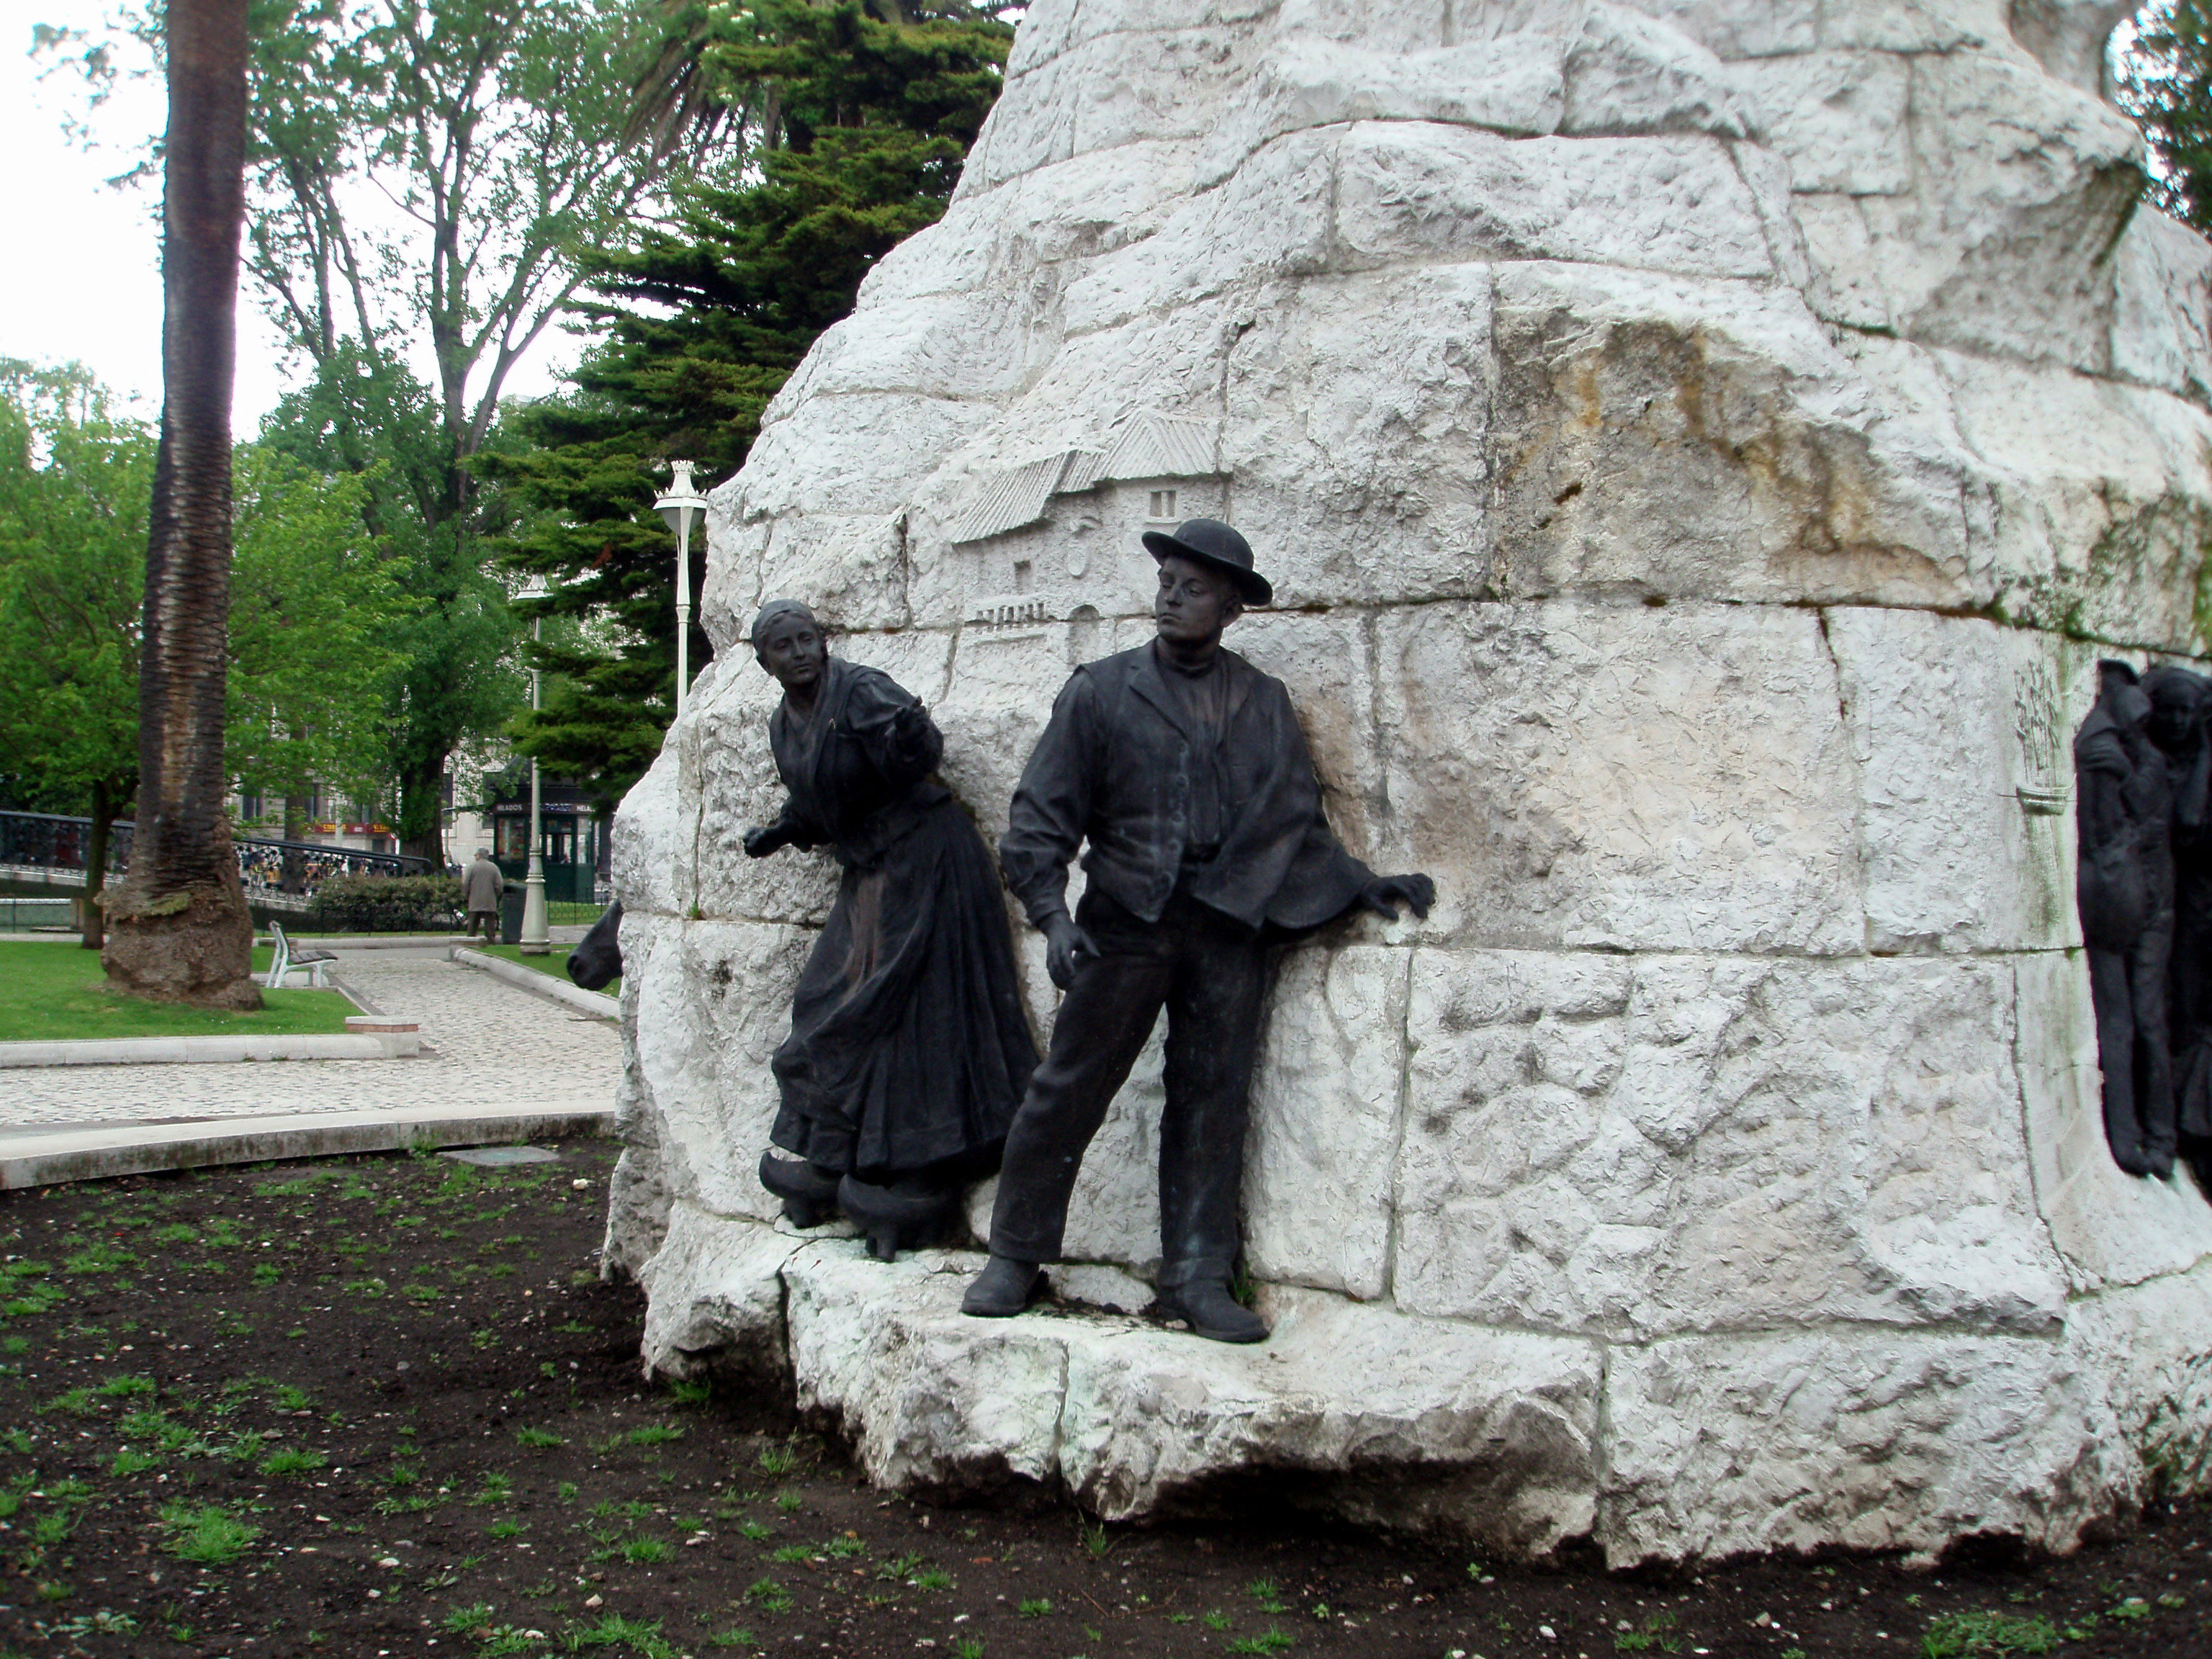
x: 384, y: 1406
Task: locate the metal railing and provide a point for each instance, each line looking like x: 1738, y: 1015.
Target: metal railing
x: 55, y: 846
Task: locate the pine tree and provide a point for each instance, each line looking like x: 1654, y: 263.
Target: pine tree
x: 2166, y: 83
x: 858, y: 116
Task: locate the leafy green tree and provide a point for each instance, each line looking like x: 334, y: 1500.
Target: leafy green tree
x: 498, y: 128
x: 424, y: 178
x: 2165, y: 84
x: 854, y: 118
x: 364, y: 415
x: 318, y: 624
x: 75, y: 482
x: 316, y: 614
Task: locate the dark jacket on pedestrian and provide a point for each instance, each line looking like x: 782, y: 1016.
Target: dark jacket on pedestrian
x: 483, y: 885
x: 1119, y: 762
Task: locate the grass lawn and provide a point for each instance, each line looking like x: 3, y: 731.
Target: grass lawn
x: 555, y: 964
x: 53, y: 992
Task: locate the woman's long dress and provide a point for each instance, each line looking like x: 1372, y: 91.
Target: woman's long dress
x: 909, y: 1047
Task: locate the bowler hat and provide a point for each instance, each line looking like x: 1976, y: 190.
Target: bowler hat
x: 1214, y: 543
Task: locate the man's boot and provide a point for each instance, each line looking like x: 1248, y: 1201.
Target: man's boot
x: 1212, y: 1312
x: 1002, y: 1289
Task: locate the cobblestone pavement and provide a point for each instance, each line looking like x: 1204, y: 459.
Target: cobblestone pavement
x: 494, y: 1046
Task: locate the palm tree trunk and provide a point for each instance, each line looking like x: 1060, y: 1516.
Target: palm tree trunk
x: 178, y: 926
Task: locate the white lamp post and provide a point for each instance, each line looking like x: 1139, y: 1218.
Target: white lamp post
x: 681, y: 506
x: 534, y: 941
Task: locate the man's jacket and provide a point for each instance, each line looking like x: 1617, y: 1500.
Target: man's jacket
x: 483, y: 885
x: 1114, y: 766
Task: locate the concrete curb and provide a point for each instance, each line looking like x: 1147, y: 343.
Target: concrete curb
x: 220, y: 1050
x: 537, y: 984
x: 31, y: 1158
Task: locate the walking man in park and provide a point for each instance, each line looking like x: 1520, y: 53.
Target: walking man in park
x: 1185, y: 768
x: 481, y: 888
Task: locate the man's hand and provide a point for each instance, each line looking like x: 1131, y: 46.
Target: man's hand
x: 1064, y: 945
x: 765, y: 838
x: 1385, y: 894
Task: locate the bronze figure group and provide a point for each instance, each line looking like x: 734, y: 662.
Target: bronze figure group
x: 2143, y: 768
x: 910, y: 1071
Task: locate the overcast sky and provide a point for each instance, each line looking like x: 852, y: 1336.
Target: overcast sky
x: 84, y: 280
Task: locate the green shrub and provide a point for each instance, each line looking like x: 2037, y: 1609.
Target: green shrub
x: 387, y: 904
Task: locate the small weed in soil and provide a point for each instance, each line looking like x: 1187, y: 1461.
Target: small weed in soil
x: 367, y: 1408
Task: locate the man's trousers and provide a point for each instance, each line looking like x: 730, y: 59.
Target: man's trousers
x: 1211, y: 974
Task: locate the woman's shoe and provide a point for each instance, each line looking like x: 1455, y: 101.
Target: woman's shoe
x: 905, y: 1215
x: 809, y: 1192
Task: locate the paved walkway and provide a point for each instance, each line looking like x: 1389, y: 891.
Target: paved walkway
x: 487, y: 1046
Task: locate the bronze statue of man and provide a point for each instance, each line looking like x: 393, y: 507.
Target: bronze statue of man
x: 1184, y: 769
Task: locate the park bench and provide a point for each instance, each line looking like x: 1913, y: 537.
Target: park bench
x: 317, y: 963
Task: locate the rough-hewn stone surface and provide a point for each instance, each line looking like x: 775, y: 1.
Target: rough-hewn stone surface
x: 1702, y: 448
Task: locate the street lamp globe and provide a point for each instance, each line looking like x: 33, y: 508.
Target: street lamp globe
x: 682, y: 507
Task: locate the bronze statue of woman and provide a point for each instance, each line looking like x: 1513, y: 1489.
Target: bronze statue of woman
x: 909, y: 1047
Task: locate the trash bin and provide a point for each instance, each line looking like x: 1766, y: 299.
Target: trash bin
x: 510, y: 915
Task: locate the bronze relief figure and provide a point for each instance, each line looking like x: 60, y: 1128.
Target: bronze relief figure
x: 1184, y: 769
x: 910, y: 1048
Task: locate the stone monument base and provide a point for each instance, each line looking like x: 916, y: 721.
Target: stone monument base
x: 1513, y: 1442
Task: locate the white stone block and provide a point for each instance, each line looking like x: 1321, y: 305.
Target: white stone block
x: 2154, y: 1343
x: 2003, y: 245
x: 715, y: 1297
x: 1409, y: 191
x: 1668, y: 438
x: 1326, y: 662
x: 1272, y: 217
x: 2100, y: 489
x: 1627, y: 73
x: 1664, y: 1143
x: 2162, y: 307
x: 1358, y: 429
x: 929, y: 1398
x: 1626, y: 778
x: 1839, y: 116
x: 1487, y: 1436
x: 864, y: 453
x: 1512, y: 85
x: 1845, y: 287
x: 655, y: 838
x: 1870, y: 1440
x: 850, y: 569
x: 1956, y: 858
x: 979, y: 344
x: 1740, y: 28
x: 715, y: 1000
x: 1326, y: 1111
x: 1913, y: 25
